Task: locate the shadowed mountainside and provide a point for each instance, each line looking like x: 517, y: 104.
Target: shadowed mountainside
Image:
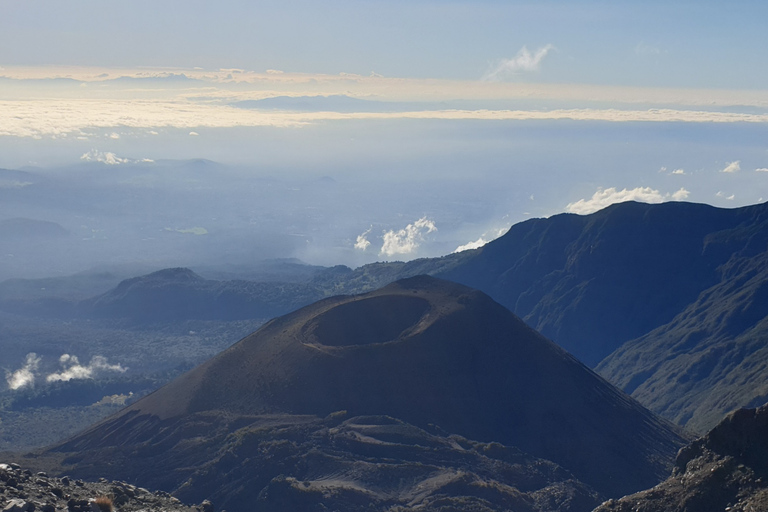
x: 711, y: 358
x: 725, y: 470
x: 427, y: 352
x: 593, y: 282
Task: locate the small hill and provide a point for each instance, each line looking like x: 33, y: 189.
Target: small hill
x: 179, y: 293
x: 725, y: 470
x: 425, y: 352
x: 23, y: 228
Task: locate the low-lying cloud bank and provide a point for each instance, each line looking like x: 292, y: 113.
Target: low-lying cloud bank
x: 70, y: 369
x: 62, y: 118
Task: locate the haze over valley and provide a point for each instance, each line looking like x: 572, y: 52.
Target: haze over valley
x: 383, y: 256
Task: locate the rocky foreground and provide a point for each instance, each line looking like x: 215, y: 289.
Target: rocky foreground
x: 21, y: 490
x: 726, y: 470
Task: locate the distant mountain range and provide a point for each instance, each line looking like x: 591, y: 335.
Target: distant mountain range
x: 421, y: 393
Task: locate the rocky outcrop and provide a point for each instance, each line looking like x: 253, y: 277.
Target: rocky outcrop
x: 726, y: 470
x: 21, y: 490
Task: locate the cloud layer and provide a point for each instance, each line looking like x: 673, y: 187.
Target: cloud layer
x: 62, y: 118
x: 71, y: 369
x: 204, y: 99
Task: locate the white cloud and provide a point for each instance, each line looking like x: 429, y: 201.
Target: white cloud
x: 524, y: 61
x: 733, y: 167
x: 362, y: 242
x: 24, y: 376
x: 680, y: 195
x: 72, y: 369
x: 108, y: 158
x: 194, y: 134
x: 199, y: 231
x: 472, y: 245
x: 114, y: 135
x: 408, y: 239
x: 761, y: 169
x: 609, y: 196
x: 15, y: 184
x: 678, y: 171
x: 486, y: 237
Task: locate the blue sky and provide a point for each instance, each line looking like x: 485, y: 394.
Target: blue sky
x: 668, y: 44
x: 462, y: 116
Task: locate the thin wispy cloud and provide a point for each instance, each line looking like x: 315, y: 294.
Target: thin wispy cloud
x: 644, y: 49
x: 362, y: 243
x: 679, y: 172
x: 405, y: 241
x: 761, y: 169
x: 732, y: 167
x: 523, y: 62
x: 606, y: 197
x: 722, y: 195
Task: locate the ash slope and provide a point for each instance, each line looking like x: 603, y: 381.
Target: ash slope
x: 422, y: 350
x: 725, y: 470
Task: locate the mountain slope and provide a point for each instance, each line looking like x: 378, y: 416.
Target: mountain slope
x: 593, y: 282
x: 712, y: 356
x: 424, y: 351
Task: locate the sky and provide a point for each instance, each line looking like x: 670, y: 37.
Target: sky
x: 443, y: 121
